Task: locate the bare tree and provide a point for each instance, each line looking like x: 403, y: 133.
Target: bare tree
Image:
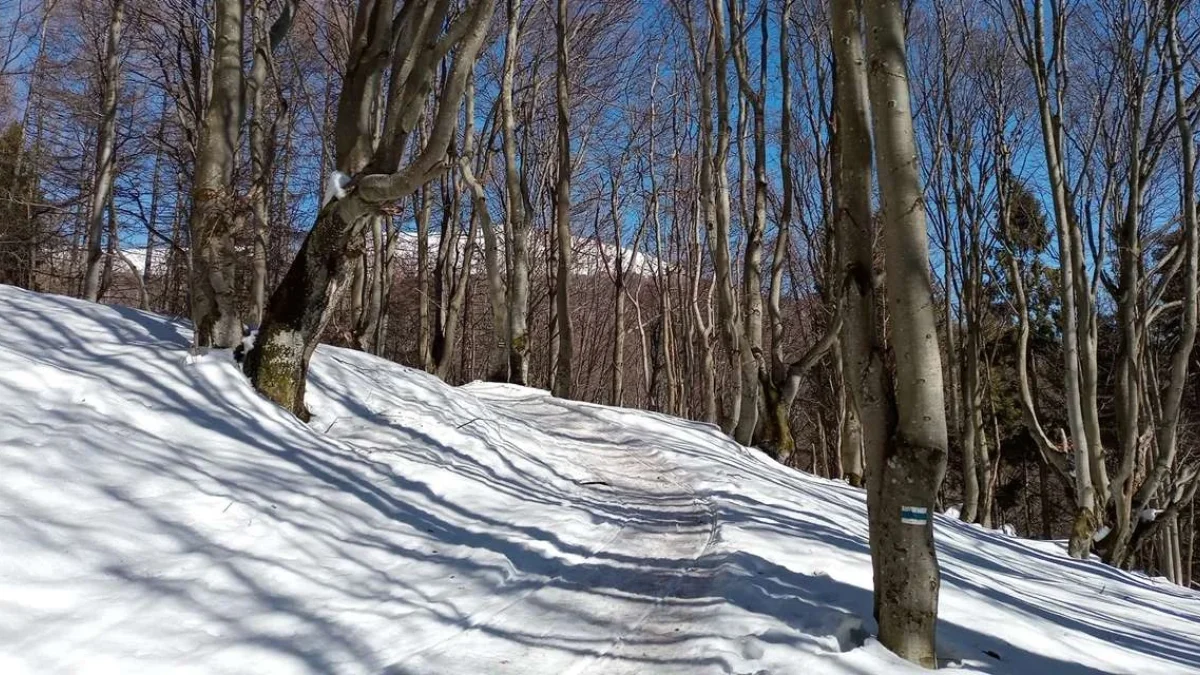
x: 106, y: 147
x: 214, y: 218
x: 300, y: 307
x: 562, y: 210
x: 906, y: 448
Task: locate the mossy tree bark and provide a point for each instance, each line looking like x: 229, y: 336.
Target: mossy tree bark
x: 417, y: 39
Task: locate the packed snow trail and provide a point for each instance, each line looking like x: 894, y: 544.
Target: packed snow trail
x: 663, y: 528
x: 157, y: 516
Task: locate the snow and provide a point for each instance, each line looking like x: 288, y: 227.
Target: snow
x: 335, y: 187
x: 157, y: 516
x: 588, y: 257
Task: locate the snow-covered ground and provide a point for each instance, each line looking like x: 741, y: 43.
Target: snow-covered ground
x: 156, y: 516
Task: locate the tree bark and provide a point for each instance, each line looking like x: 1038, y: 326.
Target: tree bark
x: 867, y: 381
x: 1034, y: 47
x: 262, y: 140
x: 562, y: 213
x: 497, y: 369
x: 423, y: 206
x: 301, y: 306
x: 516, y: 218
x: 718, y: 235
x: 915, y: 460
x: 214, y: 218
x: 106, y: 146
x: 780, y: 418
x: 752, y: 360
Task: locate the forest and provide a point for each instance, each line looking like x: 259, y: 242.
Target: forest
x: 946, y: 250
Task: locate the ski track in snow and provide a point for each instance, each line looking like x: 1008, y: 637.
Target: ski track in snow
x: 157, y: 516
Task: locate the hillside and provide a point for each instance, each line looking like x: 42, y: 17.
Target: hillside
x: 157, y: 516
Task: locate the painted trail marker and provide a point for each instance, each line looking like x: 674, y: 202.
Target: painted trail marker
x: 914, y: 515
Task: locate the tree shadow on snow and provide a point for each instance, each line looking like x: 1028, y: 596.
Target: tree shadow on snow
x: 358, y: 528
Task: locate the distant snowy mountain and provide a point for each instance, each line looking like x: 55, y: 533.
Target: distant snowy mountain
x: 157, y: 516
x: 589, y: 257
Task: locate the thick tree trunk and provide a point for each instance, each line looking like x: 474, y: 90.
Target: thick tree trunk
x: 915, y: 462
x: 864, y: 366
x: 214, y: 216
x: 106, y: 147
x: 302, y: 304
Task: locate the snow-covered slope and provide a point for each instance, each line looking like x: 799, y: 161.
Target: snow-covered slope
x: 157, y: 516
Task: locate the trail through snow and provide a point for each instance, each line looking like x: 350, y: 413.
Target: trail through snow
x: 157, y: 516
x: 662, y: 529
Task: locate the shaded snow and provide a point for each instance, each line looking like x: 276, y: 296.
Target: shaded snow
x: 158, y: 516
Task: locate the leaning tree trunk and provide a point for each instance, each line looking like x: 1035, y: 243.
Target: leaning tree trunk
x: 106, y: 145
x: 301, y: 306
x: 915, y: 463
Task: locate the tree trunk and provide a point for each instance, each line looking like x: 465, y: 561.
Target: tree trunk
x: 751, y: 356
x: 106, y: 146
x: 213, y: 221
x: 864, y: 365
x: 915, y: 462
x: 562, y: 213
x: 301, y: 306
x: 497, y: 369
x: 456, y: 302
x: 424, y: 326
x: 781, y: 419
x: 1085, y: 521
x: 850, y: 435
x: 303, y: 303
x: 718, y: 235
x: 1167, y: 433
x: 517, y: 223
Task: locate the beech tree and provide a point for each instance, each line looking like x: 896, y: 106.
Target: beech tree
x: 409, y: 45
